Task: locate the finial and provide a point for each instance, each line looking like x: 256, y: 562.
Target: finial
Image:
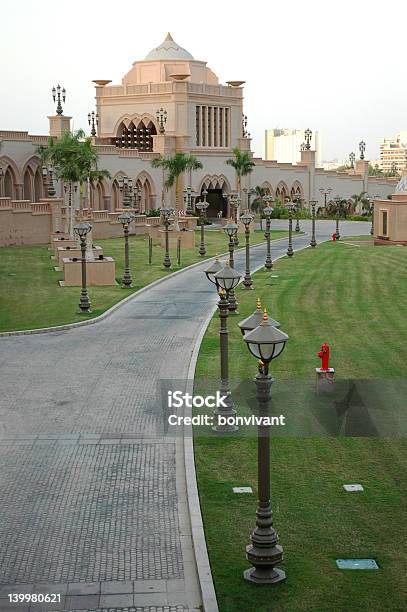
x: 258, y: 304
x: 265, y: 315
x: 169, y: 37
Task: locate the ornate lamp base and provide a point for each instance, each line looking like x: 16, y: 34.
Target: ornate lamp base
x: 264, y: 560
x: 270, y: 577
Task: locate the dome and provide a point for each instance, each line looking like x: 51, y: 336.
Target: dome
x: 168, y: 50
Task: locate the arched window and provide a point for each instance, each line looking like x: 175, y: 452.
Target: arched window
x: 38, y: 186
x: 9, y: 183
x: 28, y: 184
x: 117, y: 203
x: 138, y: 137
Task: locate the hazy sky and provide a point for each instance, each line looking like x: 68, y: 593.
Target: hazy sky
x: 335, y: 67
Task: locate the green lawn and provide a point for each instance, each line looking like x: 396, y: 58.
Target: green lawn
x: 31, y: 297
x: 353, y: 298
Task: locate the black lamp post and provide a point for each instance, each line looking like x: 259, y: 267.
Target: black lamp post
x: 338, y: 201
x: 290, y: 207
x: 265, y: 343
x: 161, y: 116
x: 124, y: 185
x: 225, y: 279
x: 308, y: 136
x: 166, y: 212
x: 202, y: 206
x: 59, y: 94
x: 352, y: 158
x: 235, y: 202
x: 297, y: 201
x: 48, y: 173
x: 93, y: 120
x: 249, y: 193
x: 267, y: 212
x: 325, y: 193
x: 82, y: 230
x: 125, y: 219
x: 188, y: 201
x: 246, y: 219
x: 313, y: 242
x: 231, y: 230
x: 362, y: 149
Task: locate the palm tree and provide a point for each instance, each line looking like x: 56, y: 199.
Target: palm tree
x: 243, y: 165
x: 74, y: 160
x: 361, y: 200
x: 175, y: 166
x: 258, y: 204
x: 192, y: 163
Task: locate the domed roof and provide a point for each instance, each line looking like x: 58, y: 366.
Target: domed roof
x: 169, y: 50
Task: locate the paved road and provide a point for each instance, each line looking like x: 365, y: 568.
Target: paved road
x: 92, y: 495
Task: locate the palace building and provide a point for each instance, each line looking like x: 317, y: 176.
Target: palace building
x: 167, y: 102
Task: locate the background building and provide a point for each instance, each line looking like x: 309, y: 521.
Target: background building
x: 393, y: 152
x: 284, y: 145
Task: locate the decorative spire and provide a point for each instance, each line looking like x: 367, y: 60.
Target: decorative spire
x: 169, y: 37
x: 258, y: 304
x: 265, y: 316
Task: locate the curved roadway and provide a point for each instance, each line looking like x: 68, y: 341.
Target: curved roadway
x: 92, y: 494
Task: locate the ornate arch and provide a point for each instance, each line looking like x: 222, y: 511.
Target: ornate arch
x: 135, y: 132
x: 146, y: 184
x: 282, y: 191
x: 268, y: 189
x: 11, y: 178
x: 215, y: 182
x: 297, y: 190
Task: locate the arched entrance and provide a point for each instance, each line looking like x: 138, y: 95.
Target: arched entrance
x: 217, y: 188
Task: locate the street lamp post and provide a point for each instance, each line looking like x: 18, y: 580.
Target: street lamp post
x: 297, y: 212
x: 246, y: 219
x: 235, y: 202
x: 313, y: 242
x: 161, y: 116
x: 59, y: 94
x: 188, y: 201
x: 338, y: 201
x: 249, y: 193
x: 225, y: 279
x: 352, y: 158
x: 362, y: 149
x: 231, y: 230
x: 48, y: 172
x: 308, y: 136
x: 165, y: 212
x: 125, y: 219
x: 202, y: 206
x: 290, y: 207
x: 267, y: 212
x: 93, y: 120
x: 82, y: 230
x: 265, y: 342
x: 325, y: 193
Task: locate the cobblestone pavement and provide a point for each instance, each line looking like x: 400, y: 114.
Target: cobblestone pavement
x: 89, y: 500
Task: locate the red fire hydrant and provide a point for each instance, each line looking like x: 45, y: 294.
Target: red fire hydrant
x: 324, y: 355
x: 334, y: 236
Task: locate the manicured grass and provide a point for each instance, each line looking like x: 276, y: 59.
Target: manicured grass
x: 30, y: 296
x: 354, y: 299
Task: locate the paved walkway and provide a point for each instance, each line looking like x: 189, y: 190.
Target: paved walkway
x: 92, y: 493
